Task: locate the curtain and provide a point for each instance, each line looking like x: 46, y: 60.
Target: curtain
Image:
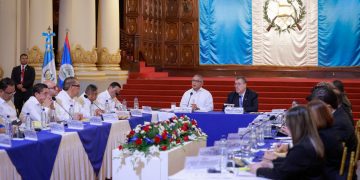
x: 339, y: 32
x: 225, y: 32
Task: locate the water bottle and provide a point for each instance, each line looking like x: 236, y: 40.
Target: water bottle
x: 124, y: 105
x: 260, y: 133
x: 253, y: 139
x: 71, y: 111
x: 43, y: 118
x: 136, y: 103
x: 92, y: 109
x: 8, y: 127
x: 267, y: 129
x: 107, y: 106
x: 28, y: 122
x: 52, y: 115
x: 224, y: 158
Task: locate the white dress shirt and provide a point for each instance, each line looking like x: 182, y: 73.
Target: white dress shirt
x: 202, y: 98
x: 86, y: 107
x: 7, y: 109
x: 63, y: 99
x: 34, y: 108
x: 113, y: 102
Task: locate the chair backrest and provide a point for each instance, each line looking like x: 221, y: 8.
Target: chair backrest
x: 351, y: 166
x: 357, y: 147
x: 343, y: 159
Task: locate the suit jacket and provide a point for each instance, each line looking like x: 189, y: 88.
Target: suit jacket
x: 343, y: 125
x: 250, y: 100
x: 29, y: 77
x: 301, y: 162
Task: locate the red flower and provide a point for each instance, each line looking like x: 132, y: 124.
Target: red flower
x: 147, y: 128
x: 186, y: 138
x: 184, y: 127
x: 157, y: 140
x: 193, y: 122
x: 120, y: 147
x: 164, y: 148
x: 177, y: 141
x: 138, y: 141
x: 164, y: 135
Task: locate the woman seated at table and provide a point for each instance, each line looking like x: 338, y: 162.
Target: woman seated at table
x: 322, y: 117
x: 305, y: 159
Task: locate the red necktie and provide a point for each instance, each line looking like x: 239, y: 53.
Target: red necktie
x: 22, y: 73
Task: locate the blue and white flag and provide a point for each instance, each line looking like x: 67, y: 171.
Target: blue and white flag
x: 66, y: 67
x: 48, y: 68
x: 293, y: 33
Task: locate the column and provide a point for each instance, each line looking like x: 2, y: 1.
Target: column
x: 78, y: 17
x: 40, y: 19
x: 108, y: 38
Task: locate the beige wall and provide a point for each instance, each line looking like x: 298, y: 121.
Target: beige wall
x: 13, y: 29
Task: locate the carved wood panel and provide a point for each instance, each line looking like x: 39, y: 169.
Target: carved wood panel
x: 167, y: 31
x: 171, y: 31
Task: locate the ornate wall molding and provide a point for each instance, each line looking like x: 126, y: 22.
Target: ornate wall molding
x: 107, y: 60
x: 82, y: 60
x: 36, y: 56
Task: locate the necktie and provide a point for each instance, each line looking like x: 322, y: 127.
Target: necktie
x: 22, y: 73
x: 240, y: 101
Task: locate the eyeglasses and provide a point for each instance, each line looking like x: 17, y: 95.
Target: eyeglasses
x: 197, y: 81
x: 76, y: 85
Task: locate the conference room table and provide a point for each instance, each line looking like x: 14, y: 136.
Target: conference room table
x: 217, y: 124
x: 76, y: 154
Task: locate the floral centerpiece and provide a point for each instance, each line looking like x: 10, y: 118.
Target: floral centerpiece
x: 151, y: 138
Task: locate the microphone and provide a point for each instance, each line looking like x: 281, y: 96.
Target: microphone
x: 189, y: 99
x: 87, y: 97
x: 54, y: 99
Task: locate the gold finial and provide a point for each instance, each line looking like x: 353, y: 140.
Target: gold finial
x: 49, y: 29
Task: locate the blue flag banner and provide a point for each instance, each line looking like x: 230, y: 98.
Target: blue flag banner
x: 48, y: 68
x: 225, y: 32
x: 280, y: 32
x: 66, y: 67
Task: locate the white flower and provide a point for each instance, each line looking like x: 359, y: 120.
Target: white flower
x: 154, y: 150
x: 146, y: 123
x: 137, y: 129
x: 142, y: 132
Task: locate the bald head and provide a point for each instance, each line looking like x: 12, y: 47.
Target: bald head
x: 53, y: 89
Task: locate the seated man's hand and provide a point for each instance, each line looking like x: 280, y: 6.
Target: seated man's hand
x: 78, y: 116
x: 254, y: 167
x: 282, y: 148
x: 98, y: 112
x: 194, y: 107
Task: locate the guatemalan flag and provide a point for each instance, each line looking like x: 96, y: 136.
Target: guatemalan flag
x: 48, y: 68
x: 295, y: 33
x: 66, y: 68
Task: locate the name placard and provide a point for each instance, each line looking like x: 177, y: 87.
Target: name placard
x: 110, y: 117
x: 75, y: 124
x: 5, y: 140
x: 30, y: 135
x: 136, y: 112
x: 96, y: 121
x: 183, y: 110
x: 146, y: 109
x: 56, y: 128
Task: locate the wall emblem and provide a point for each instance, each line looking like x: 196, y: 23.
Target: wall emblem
x: 284, y: 15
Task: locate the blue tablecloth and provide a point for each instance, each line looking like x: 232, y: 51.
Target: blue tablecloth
x: 134, y: 121
x: 35, y: 159
x: 216, y: 124
x: 94, y: 140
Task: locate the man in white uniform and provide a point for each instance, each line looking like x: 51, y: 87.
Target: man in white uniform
x: 7, y: 108
x: 34, y: 105
x: 198, y: 98
x: 66, y: 98
x: 88, y: 102
x: 109, y: 95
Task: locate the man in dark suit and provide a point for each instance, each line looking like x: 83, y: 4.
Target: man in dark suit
x: 242, y: 96
x: 24, y: 77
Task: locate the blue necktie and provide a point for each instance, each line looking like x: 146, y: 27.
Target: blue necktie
x: 240, y: 101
